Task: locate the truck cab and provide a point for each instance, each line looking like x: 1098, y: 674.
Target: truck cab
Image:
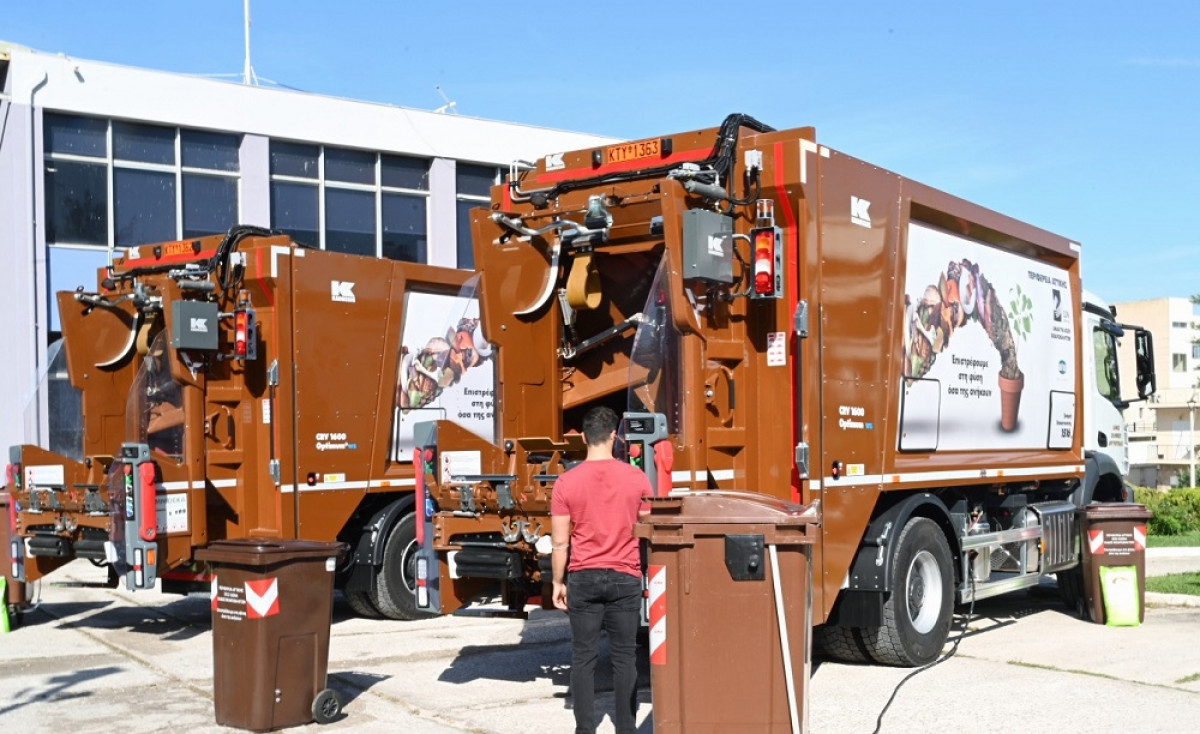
x: 1105, y: 440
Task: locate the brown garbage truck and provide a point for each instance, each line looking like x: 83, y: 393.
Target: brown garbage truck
x: 771, y: 315
x: 244, y: 386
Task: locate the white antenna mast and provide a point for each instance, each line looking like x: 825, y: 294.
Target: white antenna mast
x: 448, y: 107
x: 248, y: 75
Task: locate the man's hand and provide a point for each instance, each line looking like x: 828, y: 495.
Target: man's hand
x: 560, y: 595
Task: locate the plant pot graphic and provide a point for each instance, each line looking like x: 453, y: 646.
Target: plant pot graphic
x: 1010, y: 401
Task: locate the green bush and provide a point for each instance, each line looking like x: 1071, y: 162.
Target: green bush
x: 1176, y: 511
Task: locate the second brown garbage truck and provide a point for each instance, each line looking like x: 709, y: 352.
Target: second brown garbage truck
x: 769, y: 314
x: 245, y: 386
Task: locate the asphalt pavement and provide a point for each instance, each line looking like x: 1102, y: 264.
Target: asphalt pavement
x: 100, y: 659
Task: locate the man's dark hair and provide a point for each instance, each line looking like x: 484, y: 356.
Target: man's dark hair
x: 598, y: 423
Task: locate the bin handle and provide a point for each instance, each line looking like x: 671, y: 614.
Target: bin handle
x: 788, y: 674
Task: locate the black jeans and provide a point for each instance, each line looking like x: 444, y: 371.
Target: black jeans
x: 609, y: 600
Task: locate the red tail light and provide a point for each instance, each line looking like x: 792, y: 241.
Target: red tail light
x: 241, y: 333
x: 768, y: 258
x: 764, y: 261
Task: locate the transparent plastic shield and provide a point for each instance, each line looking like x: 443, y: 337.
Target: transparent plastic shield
x: 446, y: 367
x: 60, y: 403
x: 654, y: 364
x: 154, y: 409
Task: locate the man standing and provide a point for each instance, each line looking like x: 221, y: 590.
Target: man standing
x: 603, y: 498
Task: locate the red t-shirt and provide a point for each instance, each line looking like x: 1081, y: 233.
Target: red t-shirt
x: 602, y: 498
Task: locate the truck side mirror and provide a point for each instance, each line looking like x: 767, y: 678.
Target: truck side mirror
x: 1144, y: 348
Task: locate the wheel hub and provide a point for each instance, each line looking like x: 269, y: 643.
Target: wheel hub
x: 924, y: 590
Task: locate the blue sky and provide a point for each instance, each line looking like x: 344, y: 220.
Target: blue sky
x: 1079, y: 117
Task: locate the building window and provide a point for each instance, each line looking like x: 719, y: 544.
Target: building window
x: 76, y: 161
x: 122, y: 183
x: 1179, y: 325
x: 1179, y: 363
x: 1196, y: 351
x: 350, y: 201
x: 474, y: 187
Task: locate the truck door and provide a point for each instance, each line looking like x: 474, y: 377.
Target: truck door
x: 339, y: 327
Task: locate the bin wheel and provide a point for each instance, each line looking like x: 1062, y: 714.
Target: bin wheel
x: 394, y: 593
x: 918, y: 611
x: 16, y: 615
x: 326, y: 706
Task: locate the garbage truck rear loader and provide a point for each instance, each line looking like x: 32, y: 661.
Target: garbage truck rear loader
x: 245, y: 386
x: 769, y: 314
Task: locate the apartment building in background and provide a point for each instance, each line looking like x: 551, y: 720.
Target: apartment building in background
x: 1163, y: 431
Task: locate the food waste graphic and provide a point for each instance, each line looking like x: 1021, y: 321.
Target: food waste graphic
x: 440, y: 364
x: 963, y: 295
x: 444, y: 373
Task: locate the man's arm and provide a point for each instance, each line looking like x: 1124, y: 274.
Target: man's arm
x: 647, y: 493
x: 560, y: 538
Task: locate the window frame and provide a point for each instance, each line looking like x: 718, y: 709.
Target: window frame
x: 376, y: 188
x: 475, y: 199
x: 112, y: 163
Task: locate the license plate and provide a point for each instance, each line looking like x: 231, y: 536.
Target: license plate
x: 633, y: 151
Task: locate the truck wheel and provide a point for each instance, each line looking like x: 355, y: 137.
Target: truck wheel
x: 1070, y: 587
x: 360, y: 603
x: 917, y: 614
x: 839, y: 643
x: 395, y: 589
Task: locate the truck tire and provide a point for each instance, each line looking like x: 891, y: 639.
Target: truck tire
x: 394, y: 592
x: 361, y: 604
x: 1070, y: 587
x: 918, y: 612
x: 839, y: 643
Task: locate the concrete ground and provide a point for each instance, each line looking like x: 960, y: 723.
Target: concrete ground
x: 104, y: 660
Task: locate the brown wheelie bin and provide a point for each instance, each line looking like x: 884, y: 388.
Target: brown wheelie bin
x: 271, y: 610
x: 1113, y: 534
x: 730, y: 582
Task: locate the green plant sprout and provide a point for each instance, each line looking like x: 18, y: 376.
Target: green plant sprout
x: 1020, y: 313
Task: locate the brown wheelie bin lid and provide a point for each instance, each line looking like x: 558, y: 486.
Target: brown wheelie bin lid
x: 265, y: 551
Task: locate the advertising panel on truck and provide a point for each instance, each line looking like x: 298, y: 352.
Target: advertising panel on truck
x: 989, y: 348
x: 447, y: 368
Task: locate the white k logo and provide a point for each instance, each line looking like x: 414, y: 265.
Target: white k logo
x: 554, y: 162
x: 342, y: 290
x: 860, y: 212
x: 200, y: 325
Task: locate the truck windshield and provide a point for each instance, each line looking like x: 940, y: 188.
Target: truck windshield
x: 1108, y: 380
x: 154, y: 410
x: 654, y: 363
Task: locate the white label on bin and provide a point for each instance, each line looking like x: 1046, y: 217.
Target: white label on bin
x: 330, y: 564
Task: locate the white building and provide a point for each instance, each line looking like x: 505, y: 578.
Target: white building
x: 1162, y: 431
x: 94, y: 156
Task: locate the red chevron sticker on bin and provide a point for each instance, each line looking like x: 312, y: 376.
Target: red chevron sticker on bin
x: 1095, y: 542
x: 262, y: 598
x: 1139, y: 537
x: 658, y: 615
